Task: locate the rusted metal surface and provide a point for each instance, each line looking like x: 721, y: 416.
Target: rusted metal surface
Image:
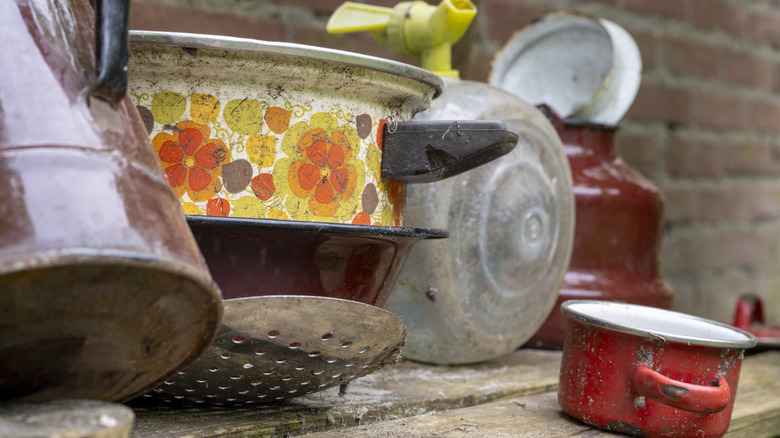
x: 103, y: 292
x: 649, y: 372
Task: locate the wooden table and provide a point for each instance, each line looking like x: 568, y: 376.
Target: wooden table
x: 514, y: 396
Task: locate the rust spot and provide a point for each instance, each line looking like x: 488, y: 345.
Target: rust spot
x: 674, y: 392
x: 628, y: 429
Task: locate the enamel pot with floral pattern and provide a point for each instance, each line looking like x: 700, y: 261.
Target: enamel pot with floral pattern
x: 103, y: 291
x: 649, y: 372
x: 263, y: 130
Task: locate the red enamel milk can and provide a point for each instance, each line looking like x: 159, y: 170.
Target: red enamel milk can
x: 617, y: 231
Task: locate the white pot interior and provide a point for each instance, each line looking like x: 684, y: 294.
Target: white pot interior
x: 658, y: 323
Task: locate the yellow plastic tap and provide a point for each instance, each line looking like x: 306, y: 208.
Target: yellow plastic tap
x: 414, y: 28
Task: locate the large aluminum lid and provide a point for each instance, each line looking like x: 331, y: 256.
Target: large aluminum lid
x: 560, y: 60
x: 299, y: 51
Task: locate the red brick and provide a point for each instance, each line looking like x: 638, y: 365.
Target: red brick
x: 661, y: 102
x: 667, y: 8
x: 318, y: 5
x: 696, y: 249
x: 638, y: 149
x: 681, y: 203
x: 752, y: 158
x: 692, y: 157
x: 747, y: 69
x: 505, y: 17
x: 765, y: 115
x: 361, y: 42
x: 719, y: 14
x: 755, y: 202
x: 154, y: 16
x: 722, y: 111
x: 685, y: 56
x: 645, y: 40
x: 766, y: 28
x: 478, y: 67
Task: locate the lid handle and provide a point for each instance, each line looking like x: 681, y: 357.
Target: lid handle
x: 432, y: 150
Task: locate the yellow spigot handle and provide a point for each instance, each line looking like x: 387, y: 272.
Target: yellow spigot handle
x: 414, y: 28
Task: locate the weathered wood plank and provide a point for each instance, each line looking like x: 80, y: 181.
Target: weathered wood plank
x: 756, y: 414
x: 399, y: 391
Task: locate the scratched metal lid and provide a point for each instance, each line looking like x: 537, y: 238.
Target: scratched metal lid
x: 560, y: 60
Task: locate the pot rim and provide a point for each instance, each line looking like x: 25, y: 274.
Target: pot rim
x: 637, y: 320
x: 322, y: 54
x: 316, y: 227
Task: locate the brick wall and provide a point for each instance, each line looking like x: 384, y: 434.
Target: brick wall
x: 705, y: 127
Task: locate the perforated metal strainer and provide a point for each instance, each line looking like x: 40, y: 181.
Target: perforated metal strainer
x: 273, y: 348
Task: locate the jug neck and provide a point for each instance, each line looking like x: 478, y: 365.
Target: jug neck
x: 583, y: 139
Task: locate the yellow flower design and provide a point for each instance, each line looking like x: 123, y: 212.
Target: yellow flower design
x: 323, y: 174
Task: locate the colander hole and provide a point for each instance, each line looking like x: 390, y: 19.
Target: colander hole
x: 238, y: 339
x: 268, y: 373
x: 235, y: 377
x: 314, y: 354
x: 189, y: 390
x: 322, y: 385
x: 295, y: 345
x: 346, y: 344
x: 201, y: 380
x: 305, y: 383
x: 317, y: 373
x: 225, y: 355
x: 327, y: 337
x: 262, y: 396
x: 247, y: 366
x: 363, y: 350
x: 365, y: 366
x: 300, y: 368
x: 260, y: 352
x: 223, y: 387
x: 211, y: 395
x: 280, y: 398
x: 281, y: 360
x: 349, y: 364
x: 331, y: 360
x: 336, y: 376
x: 273, y: 334
x: 274, y: 388
x: 147, y: 395
x: 158, y: 390
x: 178, y: 397
x: 255, y: 382
x: 352, y: 377
x: 200, y: 401
x: 245, y: 392
x: 168, y: 382
x: 286, y: 379
x: 181, y: 373
x: 293, y: 391
x: 214, y: 369
x: 231, y: 399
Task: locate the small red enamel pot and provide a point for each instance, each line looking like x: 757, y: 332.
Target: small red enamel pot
x: 649, y: 372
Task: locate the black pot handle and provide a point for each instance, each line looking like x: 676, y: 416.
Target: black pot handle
x: 111, y: 49
x: 432, y: 150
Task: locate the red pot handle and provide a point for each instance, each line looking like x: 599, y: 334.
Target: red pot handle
x: 686, y: 396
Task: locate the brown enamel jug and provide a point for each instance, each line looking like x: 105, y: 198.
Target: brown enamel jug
x: 103, y: 291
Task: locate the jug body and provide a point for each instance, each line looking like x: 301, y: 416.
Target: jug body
x: 617, y: 233
x: 103, y: 291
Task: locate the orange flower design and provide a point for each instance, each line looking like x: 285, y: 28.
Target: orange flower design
x: 192, y: 161
x: 324, y: 168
